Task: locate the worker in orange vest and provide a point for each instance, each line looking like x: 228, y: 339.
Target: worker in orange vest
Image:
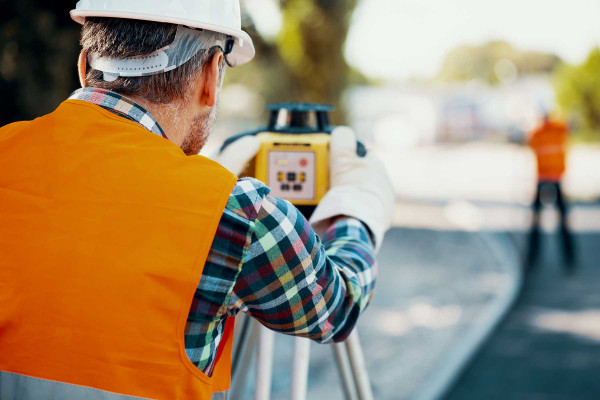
x: 125, y: 256
x: 549, y: 142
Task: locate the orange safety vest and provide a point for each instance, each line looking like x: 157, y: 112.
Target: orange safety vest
x: 104, y: 232
x: 549, y: 143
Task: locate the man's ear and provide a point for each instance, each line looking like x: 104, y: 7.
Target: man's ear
x: 82, y: 67
x: 210, y: 75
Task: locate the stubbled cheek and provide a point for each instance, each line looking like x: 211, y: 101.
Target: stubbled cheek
x: 198, y: 134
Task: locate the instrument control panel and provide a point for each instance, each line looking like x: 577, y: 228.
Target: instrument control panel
x: 292, y: 174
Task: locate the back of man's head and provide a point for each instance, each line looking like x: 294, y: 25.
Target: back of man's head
x: 123, y: 38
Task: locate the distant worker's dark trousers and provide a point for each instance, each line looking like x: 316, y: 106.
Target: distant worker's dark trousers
x: 565, y: 236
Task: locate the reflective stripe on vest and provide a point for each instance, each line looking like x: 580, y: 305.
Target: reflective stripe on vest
x: 22, y: 387
x: 104, y: 232
x: 219, y: 395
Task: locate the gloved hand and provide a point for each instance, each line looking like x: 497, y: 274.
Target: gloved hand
x: 360, y: 188
x: 238, y: 154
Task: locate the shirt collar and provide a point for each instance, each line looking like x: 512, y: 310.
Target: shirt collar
x: 119, y: 105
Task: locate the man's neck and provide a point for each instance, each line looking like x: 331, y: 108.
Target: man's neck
x: 173, y: 118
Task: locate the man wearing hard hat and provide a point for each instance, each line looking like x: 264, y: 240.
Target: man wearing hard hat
x: 124, y: 255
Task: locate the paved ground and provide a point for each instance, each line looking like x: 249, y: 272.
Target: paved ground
x: 474, y: 216
x: 549, y: 346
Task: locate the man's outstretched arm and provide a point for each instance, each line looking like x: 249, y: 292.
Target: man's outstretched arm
x: 295, y: 284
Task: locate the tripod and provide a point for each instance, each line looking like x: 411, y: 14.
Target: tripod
x: 251, y: 335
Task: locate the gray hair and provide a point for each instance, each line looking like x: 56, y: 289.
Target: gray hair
x: 123, y: 38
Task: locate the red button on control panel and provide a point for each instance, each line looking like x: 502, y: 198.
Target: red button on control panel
x: 303, y: 162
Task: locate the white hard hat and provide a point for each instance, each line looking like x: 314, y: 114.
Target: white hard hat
x: 221, y: 16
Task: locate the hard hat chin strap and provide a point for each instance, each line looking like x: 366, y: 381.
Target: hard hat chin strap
x: 187, y: 43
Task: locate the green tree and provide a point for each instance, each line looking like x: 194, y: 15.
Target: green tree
x: 490, y: 61
x: 305, y: 61
x: 578, y: 91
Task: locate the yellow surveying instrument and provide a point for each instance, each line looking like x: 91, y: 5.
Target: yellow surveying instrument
x: 293, y: 160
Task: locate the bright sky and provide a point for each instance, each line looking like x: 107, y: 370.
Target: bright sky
x: 398, y: 39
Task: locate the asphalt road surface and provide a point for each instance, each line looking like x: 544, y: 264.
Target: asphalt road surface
x: 548, y: 347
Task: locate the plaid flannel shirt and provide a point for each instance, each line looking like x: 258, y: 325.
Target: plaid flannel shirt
x: 268, y: 262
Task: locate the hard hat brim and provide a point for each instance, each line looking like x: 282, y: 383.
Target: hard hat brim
x: 243, y: 50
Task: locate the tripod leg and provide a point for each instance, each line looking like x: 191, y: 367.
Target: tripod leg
x: 265, y: 364
x: 242, y: 356
x: 359, y: 370
x: 243, y: 330
x: 343, y: 364
x: 300, y: 371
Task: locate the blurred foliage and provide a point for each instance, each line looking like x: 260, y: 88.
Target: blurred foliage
x: 38, y: 54
x: 305, y: 61
x: 491, y: 61
x: 578, y: 95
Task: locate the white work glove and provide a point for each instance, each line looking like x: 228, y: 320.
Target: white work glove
x: 360, y: 188
x: 238, y: 154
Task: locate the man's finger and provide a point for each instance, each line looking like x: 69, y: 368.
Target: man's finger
x: 343, y: 142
